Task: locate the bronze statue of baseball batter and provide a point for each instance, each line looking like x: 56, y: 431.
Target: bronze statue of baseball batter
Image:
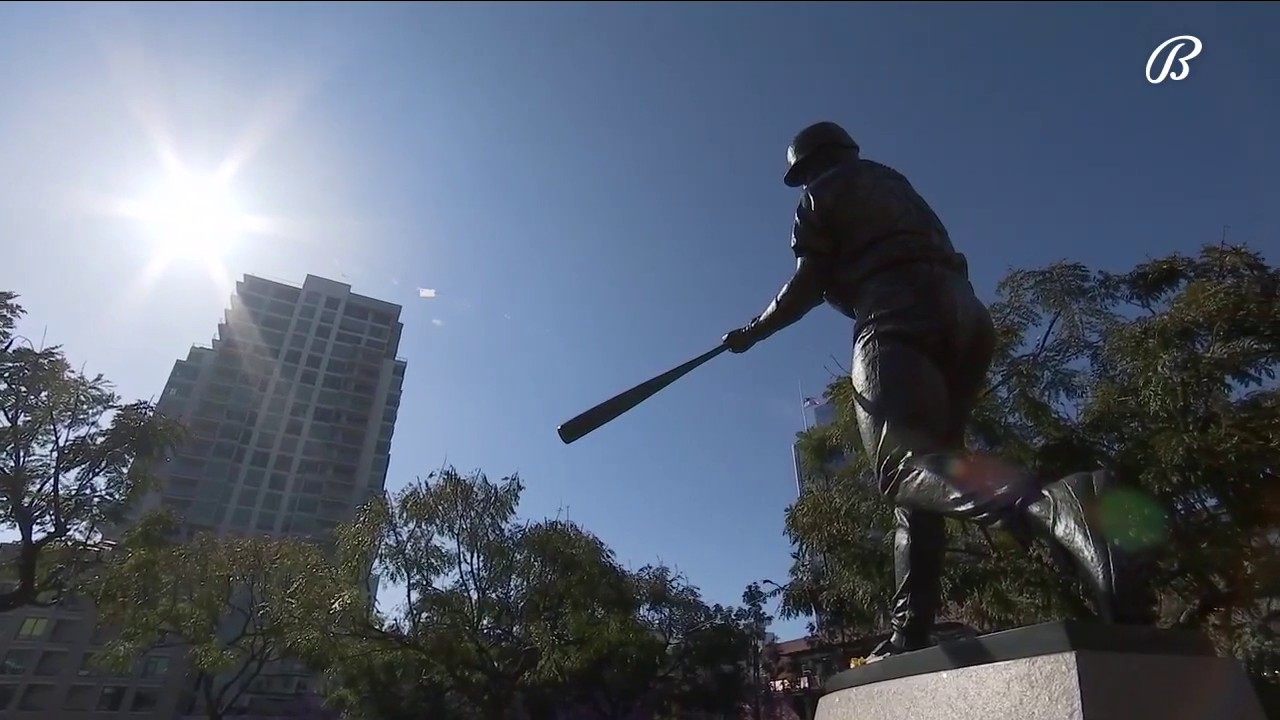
x: 869, y: 245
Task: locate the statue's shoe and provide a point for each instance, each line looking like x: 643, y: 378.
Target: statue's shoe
x: 1066, y: 512
x: 893, y: 645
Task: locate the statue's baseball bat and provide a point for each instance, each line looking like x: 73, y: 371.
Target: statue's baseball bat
x: 610, y: 409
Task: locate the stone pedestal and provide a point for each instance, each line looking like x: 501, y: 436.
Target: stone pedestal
x: 1054, y: 671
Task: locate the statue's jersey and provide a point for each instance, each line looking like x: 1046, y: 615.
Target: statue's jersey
x: 863, y: 218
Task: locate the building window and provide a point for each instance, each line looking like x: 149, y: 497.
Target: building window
x: 332, y: 303
x: 16, y: 662
x: 80, y: 697
x: 37, y: 697
x: 144, y: 699
x: 240, y: 517
x: 7, y: 692
x: 248, y: 497
x: 271, y: 501
x: 33, y: 627
x: 66, y: 631
x: 51, y: 663
x: 112, y: 698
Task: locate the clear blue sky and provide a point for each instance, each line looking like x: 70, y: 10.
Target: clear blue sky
x: 595, y: 192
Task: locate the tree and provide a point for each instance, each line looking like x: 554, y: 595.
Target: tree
x: 238, y: 606
x: 374, y: 681
x: 670, y: 652
x: 497, y: 614
x: 72, y: 459
x: 1164, y: 374
x: 501, y: 612
x: 309, y: 706
x: 754, y: 623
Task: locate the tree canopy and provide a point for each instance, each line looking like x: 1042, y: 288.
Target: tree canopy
x: 492, y: 613
x: 238, y: 608
x: 73, y: 456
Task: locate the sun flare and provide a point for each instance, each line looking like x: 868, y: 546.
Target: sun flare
x: 193, y: 217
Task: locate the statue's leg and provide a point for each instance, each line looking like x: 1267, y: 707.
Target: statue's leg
x: 903, y: 409
x: 1060, y: 512
x: 917, y: 380
x: 918, y: 542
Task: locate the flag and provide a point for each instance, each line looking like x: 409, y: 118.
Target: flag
x: 814, y: 402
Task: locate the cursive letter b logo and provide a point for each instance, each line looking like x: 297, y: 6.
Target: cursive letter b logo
x: 1171, y: 49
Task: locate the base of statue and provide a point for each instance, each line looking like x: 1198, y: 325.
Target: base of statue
x: 1054, y: 671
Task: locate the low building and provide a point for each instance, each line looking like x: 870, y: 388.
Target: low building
x: 46, y: 670
x: 805, y: 664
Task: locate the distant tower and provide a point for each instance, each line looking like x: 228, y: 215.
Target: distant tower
x: 817, y: 412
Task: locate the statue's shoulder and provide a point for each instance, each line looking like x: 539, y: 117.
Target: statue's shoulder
x: 838, y: 184
x: 872, y: 171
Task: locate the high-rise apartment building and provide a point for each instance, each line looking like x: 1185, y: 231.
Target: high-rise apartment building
x: 290, y: 412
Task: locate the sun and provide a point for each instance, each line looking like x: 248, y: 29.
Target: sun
x: 191, y: 216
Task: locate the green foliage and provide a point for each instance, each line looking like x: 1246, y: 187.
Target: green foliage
x: 1165, y: 374
x: 72, y: 458
x: 384, y: 683
x: 668, y: 649
x: 493, y: 613
x: 236, y: 605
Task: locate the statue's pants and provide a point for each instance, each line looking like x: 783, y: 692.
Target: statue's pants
x: 923, y: 344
